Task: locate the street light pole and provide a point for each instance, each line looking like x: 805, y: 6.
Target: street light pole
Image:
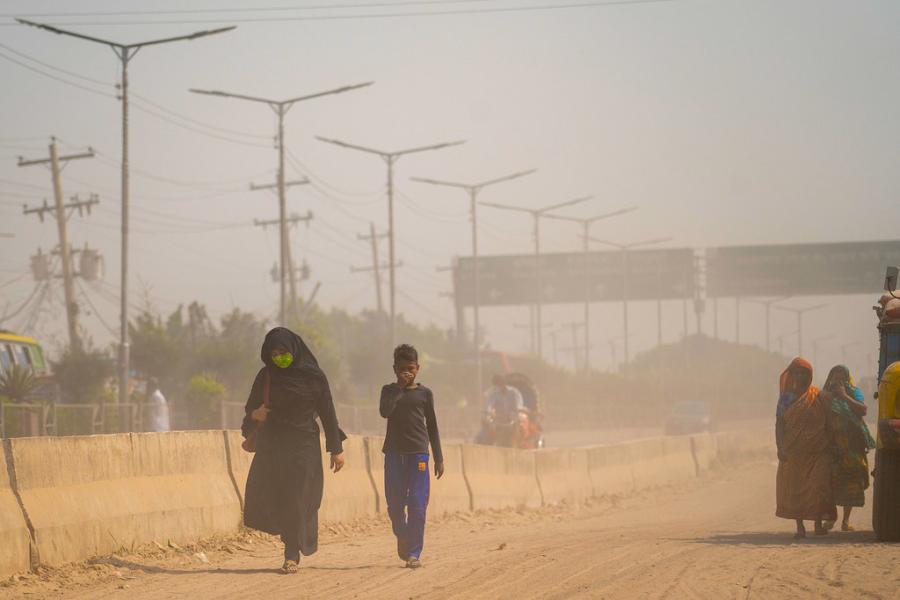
x: 625, y: 248
x: 281, y: 108
x: 125, y: 52
x: 768, y: 306
x: 800, y: 312
x: 588, y: 288
x: 473, y: 189
x: 536, y: 214
x: 390, y: 158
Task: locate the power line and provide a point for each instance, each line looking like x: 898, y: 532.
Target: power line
x: 239, y: 10
x: 52, y: 76
x: 365, y: 16
x: 55, y: 68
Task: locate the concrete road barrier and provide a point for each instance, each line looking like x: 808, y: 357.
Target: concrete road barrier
x: 238, y: 461
x: 92, y: 495
x: 733, y: 446
x: 349, y: 494
x: 451, y: 493
x: 15, y: 539
x: 563, y: 475
x: 660, y: 461
x: 610, y: 470
x: 501, y: 477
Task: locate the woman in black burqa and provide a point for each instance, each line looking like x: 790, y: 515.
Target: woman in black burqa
x: 284, y: 485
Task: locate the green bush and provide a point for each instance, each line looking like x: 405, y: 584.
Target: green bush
x: 204, y: 395
x: 17, y: 384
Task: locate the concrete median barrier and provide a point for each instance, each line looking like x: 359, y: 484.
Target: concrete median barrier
x: 660, y: 461
x: 736, y: 446
x: 92, y: 495
x: 610, y: 470
x: 563, y: 475
x: 238, y: 461
x: 351, y: 493
x: 501, y: 477
x: 15, y: 539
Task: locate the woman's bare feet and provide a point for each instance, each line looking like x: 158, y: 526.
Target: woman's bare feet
x: 290, y: 567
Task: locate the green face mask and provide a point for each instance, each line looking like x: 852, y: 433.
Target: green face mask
x: 283, y: 361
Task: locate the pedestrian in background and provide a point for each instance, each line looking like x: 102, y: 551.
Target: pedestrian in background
x: 408, y: 407
x: 157, y: 407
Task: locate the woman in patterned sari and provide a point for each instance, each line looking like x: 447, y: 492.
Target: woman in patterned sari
x: 805, y: 451
x: 850, y: 472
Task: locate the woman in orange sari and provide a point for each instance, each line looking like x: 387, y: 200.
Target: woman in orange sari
x: 805, y: 453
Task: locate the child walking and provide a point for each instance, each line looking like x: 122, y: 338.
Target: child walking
x: 411, y: 424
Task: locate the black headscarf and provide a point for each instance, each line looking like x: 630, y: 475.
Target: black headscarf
x: 304, y: 373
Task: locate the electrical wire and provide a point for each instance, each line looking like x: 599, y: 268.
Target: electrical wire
x: 365, y: 16
x: 240, y: 10
x: 13, y: 314
x: 96, y: 312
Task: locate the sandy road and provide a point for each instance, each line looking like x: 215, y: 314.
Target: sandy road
x: 714, y: 538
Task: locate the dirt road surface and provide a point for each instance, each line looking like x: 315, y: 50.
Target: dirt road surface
x: 711, y: 538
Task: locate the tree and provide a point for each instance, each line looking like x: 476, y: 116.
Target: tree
x: 17, y: 384
x: 82, y: 374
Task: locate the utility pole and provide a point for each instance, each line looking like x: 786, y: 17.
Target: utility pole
x: 281, y: 108
x: 390, y: 158
x: 125, y: 52
x: 625, y: 248
x: 768, y: 306
x: 588, y: 284
x: 372, y: 237
x: 473, y: 189
x: 536, y: 214
x: 576, y: 348
x: 59, y: 211
x: 289, y: 267
x: 800, y: 312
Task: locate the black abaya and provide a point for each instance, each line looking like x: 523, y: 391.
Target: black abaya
x: 284, y: 485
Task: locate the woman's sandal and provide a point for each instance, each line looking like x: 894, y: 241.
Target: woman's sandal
x: 290, y: 567
x: 847, y: 527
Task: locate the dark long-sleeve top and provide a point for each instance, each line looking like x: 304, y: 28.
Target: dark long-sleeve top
x: 411, y: 422
x: 295, y: 411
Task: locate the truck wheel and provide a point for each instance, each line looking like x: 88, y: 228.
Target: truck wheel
x: 886, y: 495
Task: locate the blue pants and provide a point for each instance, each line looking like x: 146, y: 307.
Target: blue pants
x: 407, y: 484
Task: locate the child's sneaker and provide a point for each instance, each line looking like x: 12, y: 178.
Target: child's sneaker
x: 413, y: 563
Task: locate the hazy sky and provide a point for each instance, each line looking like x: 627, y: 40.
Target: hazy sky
x: 727, y: 122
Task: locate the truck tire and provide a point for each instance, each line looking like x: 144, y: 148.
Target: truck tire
x: 886, y: 495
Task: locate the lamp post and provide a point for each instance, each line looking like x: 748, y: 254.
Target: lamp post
x: 536, y: 214
x: 390, y: 158
x: 281, y: 108
x: 588, y: 288
x: 125, y: 52
x: 473, y: 189
x: 625, y: 248
x: 800, y: 312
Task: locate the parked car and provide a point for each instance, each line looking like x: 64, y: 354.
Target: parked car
x: 689, y: 417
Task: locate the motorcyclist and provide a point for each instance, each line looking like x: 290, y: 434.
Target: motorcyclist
x: 502, y: 404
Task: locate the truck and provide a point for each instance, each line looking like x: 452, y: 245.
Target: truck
x: 886, y: 486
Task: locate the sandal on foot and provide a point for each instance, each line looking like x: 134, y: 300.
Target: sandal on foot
x: 290, y: 567
x: 413, y: 563
x: 847, y: 527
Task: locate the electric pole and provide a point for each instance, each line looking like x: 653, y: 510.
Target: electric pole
x: 626, y: 269
x: 390, y: 158
x: 59, y: 211
x: 576, y: 348
x: 281, y: 108
x: 588, y: 286
x: 473, y: 189
x: 125, y: 52
x: 536, y: 214
x: 289, y: 267
x: 376, y: 267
